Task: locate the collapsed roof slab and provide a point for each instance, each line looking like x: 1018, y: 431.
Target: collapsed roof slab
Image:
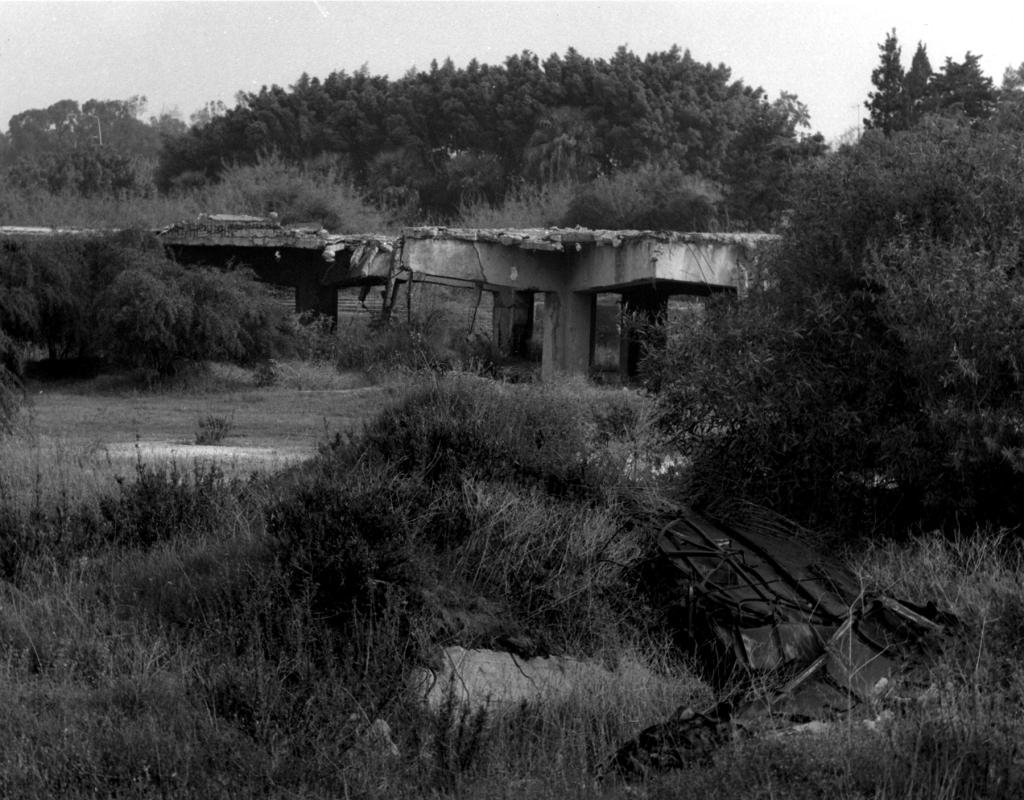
x: 693, y: 267
x: 580, y: 260
x: 491, y: 265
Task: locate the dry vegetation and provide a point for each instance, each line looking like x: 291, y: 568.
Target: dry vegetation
x: 214, y: 582
x: 181, y: 632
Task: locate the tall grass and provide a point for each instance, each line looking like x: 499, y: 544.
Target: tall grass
x: 316, y: 194
x: 191, y: 635
x: 41, y: 208
x: 529, y: 206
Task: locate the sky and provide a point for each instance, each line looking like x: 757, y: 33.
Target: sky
x: 182, y: 54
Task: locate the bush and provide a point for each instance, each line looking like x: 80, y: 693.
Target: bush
x: 461, y: 516
x: 460, y: 427
x: 45, y: 295
x: 165, y: 503
x: 345, y: 537
x: 213, y: 429
x: 869, y: 379
x: 648, y: 198
x: 315, y: 193
x: 119, y: 297
x: 527, y: 206
x: 10, y: 389
x: 158, y: 314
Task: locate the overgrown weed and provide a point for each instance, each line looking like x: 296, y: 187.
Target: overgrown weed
x: 210, y: 637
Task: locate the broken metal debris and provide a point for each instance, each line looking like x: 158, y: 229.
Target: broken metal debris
x: 784, y: 631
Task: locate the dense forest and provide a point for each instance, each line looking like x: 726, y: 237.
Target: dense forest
x: 425, y: 146
x: 654, y: 141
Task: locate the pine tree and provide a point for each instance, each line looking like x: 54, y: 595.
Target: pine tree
x: 916, y: 86
x: 886, y: 105
x: 1010, y: 112
x: 962, y: 87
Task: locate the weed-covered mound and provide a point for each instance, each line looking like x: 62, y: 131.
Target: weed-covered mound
x: 198, y: 632
x: 487, y: 511
x: 569, y: 439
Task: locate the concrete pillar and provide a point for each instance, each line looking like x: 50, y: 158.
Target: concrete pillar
x: 513, y: 322
x: 568, y: 333
x: 313, y: 297
x: 648, y: 305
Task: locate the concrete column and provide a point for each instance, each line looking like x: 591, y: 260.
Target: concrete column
x: 650, y: 306
x: 568, y: 333
x: 312, y: 296
x: 513, y: 322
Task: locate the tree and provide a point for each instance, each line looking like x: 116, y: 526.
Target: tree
x: 916, y: 88
x: 1010, y: 111
x: 433, y: 140
x: 168, y: 124
x: 562, y: 148
x: 88, y: 171
x: 761, y: 161
x: 66, y: 126
x: 120, y: 298
x: 205, y: 115
x: 963, y: 88
x: 886, y: 104
x: 92, y: 149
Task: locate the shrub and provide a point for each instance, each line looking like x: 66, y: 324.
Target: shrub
x: 344, y: 537
x: 528, y: 206
x: 45, y: 297
x: 313, y: 193
x: 10, y: 400
x: 462, y: 426
x: 158, y: 313
x: 213, y: 430
x: 456, y: 518
x: 648, y: 198
x: 869, y: 378
x: 149, y: 319
x: 120, y: 297
x: 164, y: 503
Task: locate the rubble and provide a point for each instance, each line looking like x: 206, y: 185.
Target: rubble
x: 784, y: 631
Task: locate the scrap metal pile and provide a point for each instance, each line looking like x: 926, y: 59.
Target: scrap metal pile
x: 782, y: 630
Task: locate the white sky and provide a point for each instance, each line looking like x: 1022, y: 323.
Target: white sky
x: 182, y: 54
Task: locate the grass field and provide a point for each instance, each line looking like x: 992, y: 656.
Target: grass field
x: 76, y: 438
x: 189, y: 624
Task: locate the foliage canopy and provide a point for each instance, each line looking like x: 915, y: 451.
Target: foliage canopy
x: 435, y: 140
x: 902, y: 98
x: 871, y: 378
x: 119, y: 298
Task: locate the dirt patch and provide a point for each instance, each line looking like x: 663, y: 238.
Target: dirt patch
x: 277, y: 420
x: 232, y: 455
x: 74, y: 443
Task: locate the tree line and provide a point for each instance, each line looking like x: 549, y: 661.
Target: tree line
x: 432, y: 141
x: 99, y: 147
x: 902, y: 98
